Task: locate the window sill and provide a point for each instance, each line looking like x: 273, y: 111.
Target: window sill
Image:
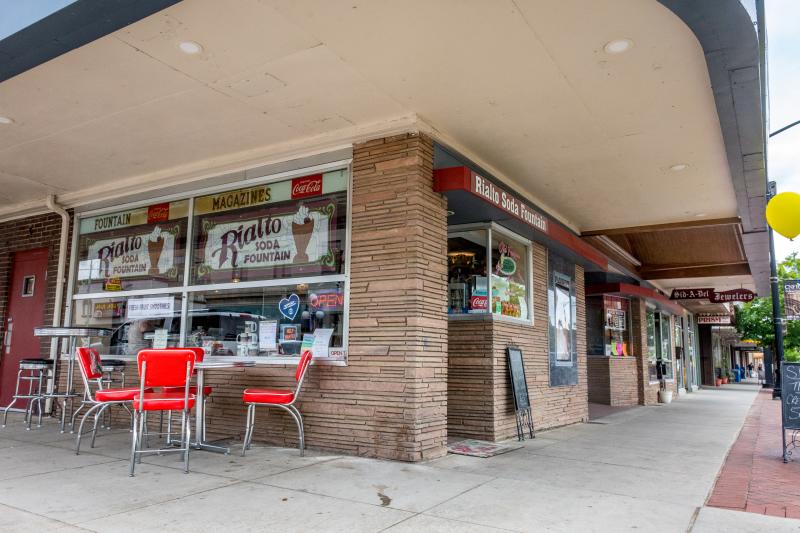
x: 259, y: 361
x: 490, y: 317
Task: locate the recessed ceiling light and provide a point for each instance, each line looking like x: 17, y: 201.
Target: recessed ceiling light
x: 6, y: 120
x: 700, y: 215
x: 190, y: 47
x: 679, y: 167
x: 618, y: 46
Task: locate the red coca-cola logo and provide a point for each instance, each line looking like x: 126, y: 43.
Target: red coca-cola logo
x: 307, y: 186
x: 158, y: 213
x: 479, y: 302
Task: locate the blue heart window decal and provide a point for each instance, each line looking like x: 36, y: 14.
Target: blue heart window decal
x: 289, y: 306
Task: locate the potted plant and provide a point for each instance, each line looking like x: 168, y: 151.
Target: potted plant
x: 726, y: 370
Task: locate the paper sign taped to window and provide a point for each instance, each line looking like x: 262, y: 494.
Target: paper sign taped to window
x: 160, y: 307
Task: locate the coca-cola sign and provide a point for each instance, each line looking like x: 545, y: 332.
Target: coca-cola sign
x: 307, y: 186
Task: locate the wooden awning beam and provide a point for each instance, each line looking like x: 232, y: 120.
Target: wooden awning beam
x: 672, y: 226
x: 695, y: 271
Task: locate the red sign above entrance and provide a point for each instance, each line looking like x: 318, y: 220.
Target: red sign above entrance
x: 507, y: 202
x: 456, y: 179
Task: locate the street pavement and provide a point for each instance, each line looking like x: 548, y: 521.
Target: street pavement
x: 643, y: 469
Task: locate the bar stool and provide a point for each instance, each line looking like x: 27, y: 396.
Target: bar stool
x: 34, y: 371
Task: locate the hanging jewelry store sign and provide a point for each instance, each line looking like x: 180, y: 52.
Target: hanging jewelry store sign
x: 276, y: 230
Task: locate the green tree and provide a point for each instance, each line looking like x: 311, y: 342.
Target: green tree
x: 754, y: 319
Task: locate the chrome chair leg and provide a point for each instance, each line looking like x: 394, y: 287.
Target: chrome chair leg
x: 188, y: 419
x: 75, y: 415
x: 134, y: 442
x: 97, y: 421
x: 298, y: 418
x: 80, y: 428
x: 248, y: 428
x: 14, y: 399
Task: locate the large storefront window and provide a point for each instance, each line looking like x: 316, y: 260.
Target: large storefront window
x: 607, y: 323
x: 267, y: 271
x: 469, y: 291
x: 652, y: 351
x: 509, y: 277
x: 141, y: 248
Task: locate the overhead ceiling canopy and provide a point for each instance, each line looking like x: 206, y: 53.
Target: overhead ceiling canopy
x: 523, y: 87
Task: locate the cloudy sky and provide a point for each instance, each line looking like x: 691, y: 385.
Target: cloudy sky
x: 783, y: 32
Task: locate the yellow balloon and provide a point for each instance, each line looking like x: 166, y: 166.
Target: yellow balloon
x: 783, y: 214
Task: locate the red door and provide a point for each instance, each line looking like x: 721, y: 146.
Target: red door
x: 26, y: 293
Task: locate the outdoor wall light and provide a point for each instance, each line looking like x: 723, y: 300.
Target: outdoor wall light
x: 618, y: 46
x: 190, y: 47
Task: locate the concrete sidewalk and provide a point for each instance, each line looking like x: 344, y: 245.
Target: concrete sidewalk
x: 649, y: 469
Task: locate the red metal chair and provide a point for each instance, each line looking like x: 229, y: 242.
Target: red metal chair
x: 199, y: 354
x: 159, y: 369
x: 102, y: 398
x: 284, y: 399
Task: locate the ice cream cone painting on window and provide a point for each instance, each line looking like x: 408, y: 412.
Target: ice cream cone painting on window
x: 155, y: 245
x: 302, y: 228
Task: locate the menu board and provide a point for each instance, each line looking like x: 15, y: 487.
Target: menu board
x: 519, y: 384
x: 790, y: 394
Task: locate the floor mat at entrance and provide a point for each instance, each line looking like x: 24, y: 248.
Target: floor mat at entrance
x: 480, y: 448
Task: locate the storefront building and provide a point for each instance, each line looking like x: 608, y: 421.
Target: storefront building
x: 418, y: 218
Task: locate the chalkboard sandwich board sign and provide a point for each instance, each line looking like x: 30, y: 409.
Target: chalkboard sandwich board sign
x: 790, y: 398
x: 519, y: 390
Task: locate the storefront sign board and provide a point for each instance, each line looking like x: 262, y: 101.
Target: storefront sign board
x: 791, y: 298
x: 140, y: 216
x: 301, y: 236
x: 790, y: 385
x: 734, y: 295
x: 691, y: 294
x: 148, y: 252
x: 706, y: 319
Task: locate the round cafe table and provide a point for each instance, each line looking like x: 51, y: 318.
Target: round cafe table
x: 199, y: 424
x: 73, y: 334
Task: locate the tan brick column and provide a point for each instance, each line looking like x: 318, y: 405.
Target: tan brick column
x: 398, y: 296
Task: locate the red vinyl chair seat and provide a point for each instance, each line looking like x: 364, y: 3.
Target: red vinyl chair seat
x: 117, y: 395
x: 192, y: 389
x: 277, y: 396
x: 162, y: 401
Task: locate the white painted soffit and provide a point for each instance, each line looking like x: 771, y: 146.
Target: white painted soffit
x: 523, y: 88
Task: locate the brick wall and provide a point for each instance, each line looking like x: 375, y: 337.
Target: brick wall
x: 43, y: 231
x: 613, y: 380
x: 599, y: 379
x: 479, y: 395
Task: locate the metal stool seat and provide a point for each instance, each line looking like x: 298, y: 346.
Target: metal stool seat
x: 35, y: 364
x: 112, y: 365
x: 34, y: 371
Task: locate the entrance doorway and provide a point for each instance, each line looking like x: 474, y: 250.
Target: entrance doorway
x: 26, y: 297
